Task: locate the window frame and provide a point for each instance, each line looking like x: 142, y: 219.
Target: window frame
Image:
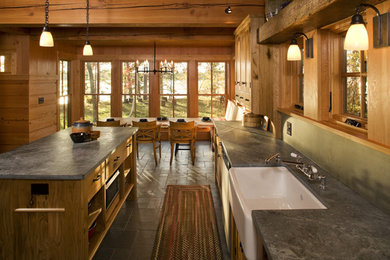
x: 212, y: 85
x: 97, y: 94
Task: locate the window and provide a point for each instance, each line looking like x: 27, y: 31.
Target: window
x: 135, y: 91
x: 173, y: 91
x: 355, y: 83
x: 64, y: 95
x: 2, y: 63
x: 97, y: 91
x: 211, y: 89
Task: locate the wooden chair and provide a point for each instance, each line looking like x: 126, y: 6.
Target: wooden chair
x: 182, y: 133
x: 148, y: 132
x: 108, y: 123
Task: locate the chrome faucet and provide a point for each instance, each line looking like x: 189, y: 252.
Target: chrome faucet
x: 310, y: 171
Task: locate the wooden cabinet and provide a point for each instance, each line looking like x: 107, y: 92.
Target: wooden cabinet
x: 51, y: 219
x: 247, y: 61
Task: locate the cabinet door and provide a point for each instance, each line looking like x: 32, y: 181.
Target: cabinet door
x: 48, y: 225
x: 243, y: 48
x: 238, y: 62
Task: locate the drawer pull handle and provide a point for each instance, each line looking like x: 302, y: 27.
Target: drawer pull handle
x: 241, y: 98
x: 97, y: 178
x: 246, y: 99
x: 127, y: 146
x: 117, y: 158
x: 243, y: 83
x: 39, y: 210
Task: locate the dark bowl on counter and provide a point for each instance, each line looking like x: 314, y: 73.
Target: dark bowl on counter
x: 80, y: 137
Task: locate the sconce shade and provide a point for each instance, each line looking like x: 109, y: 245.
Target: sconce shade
x: 46, y: 39
x: 87, y: 51
x: 357, y: 36
x: 293, y: 52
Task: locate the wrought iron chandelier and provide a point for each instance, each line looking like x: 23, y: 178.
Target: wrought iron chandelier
x: 165, y: 67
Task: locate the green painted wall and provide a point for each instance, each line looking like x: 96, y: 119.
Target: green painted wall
x: 364, y: 170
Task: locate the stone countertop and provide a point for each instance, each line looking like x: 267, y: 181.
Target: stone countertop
x: 350, y: 227
x: 56, y: 157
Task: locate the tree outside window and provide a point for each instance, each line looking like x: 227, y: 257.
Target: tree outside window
x: 64, y: 95
x: 135, y: 91
x: 211, y: 89
x: 355, y: 83
x: 174, y: 91
x: 97, y: 91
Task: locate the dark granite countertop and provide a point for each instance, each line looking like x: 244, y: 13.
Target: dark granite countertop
x: 351, y: 227
x: 56, y: 157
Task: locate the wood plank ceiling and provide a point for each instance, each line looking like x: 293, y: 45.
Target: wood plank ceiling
x: 124, y: 22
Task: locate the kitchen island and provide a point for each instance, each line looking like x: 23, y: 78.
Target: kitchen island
x: 350, y: 227
x: 59, y: 198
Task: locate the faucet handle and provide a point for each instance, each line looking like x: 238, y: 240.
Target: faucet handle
x: 313, y: 169
x: 297, y: 156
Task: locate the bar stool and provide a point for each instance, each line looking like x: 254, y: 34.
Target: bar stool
x: 148, y: 132
x: 182, y: 133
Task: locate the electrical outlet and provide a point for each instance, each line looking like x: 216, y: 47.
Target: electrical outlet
x: 41, y: 100
x: 289, y: 128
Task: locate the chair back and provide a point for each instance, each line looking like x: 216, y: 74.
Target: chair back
x: 108, y: 123
x: 147, y: 131
x: 182, y: 131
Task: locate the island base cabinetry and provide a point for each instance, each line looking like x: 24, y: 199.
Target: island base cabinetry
x: 65, y: 219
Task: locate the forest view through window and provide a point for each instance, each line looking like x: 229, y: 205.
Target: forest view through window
x: 173, y: 91
x: 97, y: 91
x: 135, y: 91
x: 211, y: 89
x: 64, y: 96
x: 355, y: 83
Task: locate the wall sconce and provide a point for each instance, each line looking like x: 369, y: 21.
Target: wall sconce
x: 357, y: 36
x: 46, y: 39
x: 228, y: 10
x: 87, y: 50
x: 294, y: 53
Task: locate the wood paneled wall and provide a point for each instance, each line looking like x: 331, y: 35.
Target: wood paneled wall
x: 378, y: 78
x: 14, y: 94
x: 22, y: 119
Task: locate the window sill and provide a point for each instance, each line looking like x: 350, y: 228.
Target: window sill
x: 352, y: 133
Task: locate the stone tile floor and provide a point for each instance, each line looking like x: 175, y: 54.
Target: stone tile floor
x: 131, y: 236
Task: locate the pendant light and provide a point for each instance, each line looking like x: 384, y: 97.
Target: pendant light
x: 46, y: 39
x: 87, y: 51
x: 357, y: 36
x: 228, y: 10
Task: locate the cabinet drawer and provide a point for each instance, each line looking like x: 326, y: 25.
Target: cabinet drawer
x: 129, y: 146
x: 115, y: 160
x: 94, y: 181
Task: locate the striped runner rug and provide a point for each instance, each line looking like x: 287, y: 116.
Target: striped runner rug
x: 188, y: 228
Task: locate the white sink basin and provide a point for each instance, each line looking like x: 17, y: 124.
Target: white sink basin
x: 264, y: 188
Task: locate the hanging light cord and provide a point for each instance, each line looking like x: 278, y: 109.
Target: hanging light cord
x: 46, y: 13
x: 87, y: 19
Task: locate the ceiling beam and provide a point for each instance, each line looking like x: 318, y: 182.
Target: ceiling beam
x: 157, y: 13
x: 304, y: 16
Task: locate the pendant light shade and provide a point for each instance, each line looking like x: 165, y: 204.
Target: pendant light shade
x: 87, y: 51
x: 46, y: 39
x: 294, y: 53
x: 357, y: 36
